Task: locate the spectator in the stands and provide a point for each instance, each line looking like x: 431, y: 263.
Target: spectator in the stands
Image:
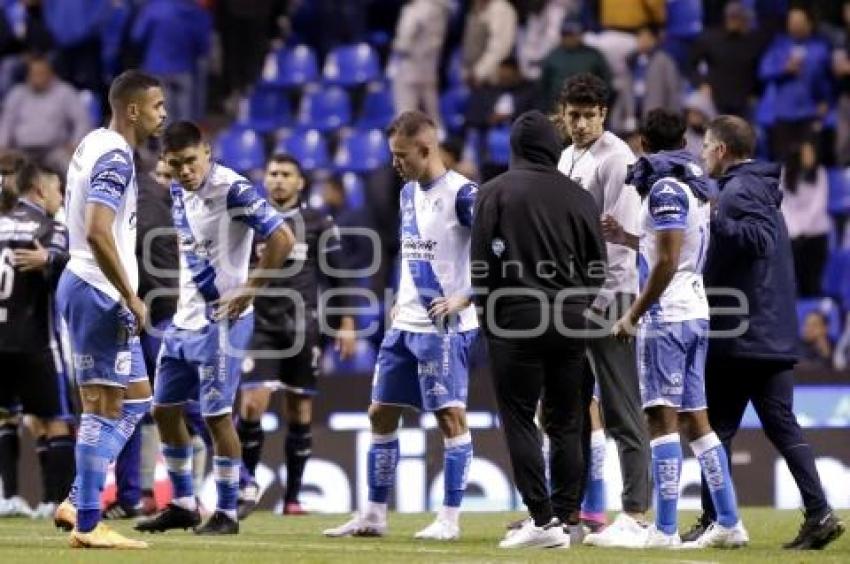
x: 418, y: 42
x: 684, y: 24
x: 805, y: 191
x: 358, y: 251
x: 174, y: 36
x: 841, y: 70
x: 44, y: 117
x: 631, y: 15
x: 724, y: 62
x: 816, y: 348
x: 488, y: 38
x: 654, y: 79
x: 452, y: 152
x: 796, y: 74
x: 699, y: 111
x: 570, y: 58
x: 498, y: 104
x: 538, y: 35
x: 841, y: 359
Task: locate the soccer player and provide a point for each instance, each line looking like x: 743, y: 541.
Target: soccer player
x: 282, y: 322
x: 423, y: 359
x: 97, y: 297
x: 216, y: 213
x: 598, y: 160
x: 672, y: 311
x: 33, y: 253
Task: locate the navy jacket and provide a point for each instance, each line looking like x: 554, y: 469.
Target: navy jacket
x: 750, y: 252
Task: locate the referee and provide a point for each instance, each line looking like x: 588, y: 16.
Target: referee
x: 536, y: 241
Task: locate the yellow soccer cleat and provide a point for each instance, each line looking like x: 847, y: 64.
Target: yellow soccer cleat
x: 65, y: 516
x: 103, y: 537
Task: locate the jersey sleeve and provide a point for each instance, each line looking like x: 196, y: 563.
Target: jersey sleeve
x: 465, y: 203
x: 668, y: 205
x: 56, y: 242
x: 110, y: 178
x: 332, y: 239
x: 245, y: 204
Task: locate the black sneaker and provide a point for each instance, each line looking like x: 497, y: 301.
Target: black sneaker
x: 817, y: 532
x: 172, y: 517
x: 697, y: 529
x: 247, y: 502
x: 218, y: 524
x: 117, y: 511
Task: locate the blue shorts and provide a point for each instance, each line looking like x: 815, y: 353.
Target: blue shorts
x: 671, y: 364
x: 427, y: 371
x: 103, y: 351
x: 203, y: 365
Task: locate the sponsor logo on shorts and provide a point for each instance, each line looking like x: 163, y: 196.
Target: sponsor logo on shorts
x: 83, y: 361
x: 437, y: 390
x: 123, y: 362
x: 429, y: 369
x: 207, y: 372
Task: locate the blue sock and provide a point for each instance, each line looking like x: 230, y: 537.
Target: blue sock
x: 594, y: 493
x: 178, y: 462
x: 457, y: 457
x: 666, y: 469
x: 715, y: 468
x: 93, y: 454
x: 128, y: 470
x: 132, y: 412
x: 226, y: 473
x: 382, y: 462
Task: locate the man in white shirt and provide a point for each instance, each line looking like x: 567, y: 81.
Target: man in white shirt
x: 598, y: 160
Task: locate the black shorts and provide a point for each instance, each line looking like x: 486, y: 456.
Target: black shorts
x: 293, y: 370
x: 31, y: 383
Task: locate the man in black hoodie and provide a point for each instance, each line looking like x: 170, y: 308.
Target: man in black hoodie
x: 751, y: 355
x: 538, y: 260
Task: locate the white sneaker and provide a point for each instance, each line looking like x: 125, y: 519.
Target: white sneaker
x: 718, y: 536
x: 44, y: 510
x: 15, y: 506
x: 359, y: 526
x: 532, y: 536
x: 440, y: 529
x: 624, y: 532
x: 660, y: 539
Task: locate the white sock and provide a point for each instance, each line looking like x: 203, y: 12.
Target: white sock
x: 189, y: 502
x: 450, y: 514
x: 376, y: 510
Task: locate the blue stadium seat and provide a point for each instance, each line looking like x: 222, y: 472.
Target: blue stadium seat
x: 453, y: 104
x: 838, y: 202
x: 308, y: 147
x: 241, y: 149
x: 326, y: 109
x: 352, y: 65
x: 292, y: 67
x: 454, y: 73
x: 267, y: 109
x: 92, y: 105
x: 378, y: 108
x: 362, y: 151
x: 498, y: 146
x: 825, y: 306
x: 355, y: 190
x: 836, y: 276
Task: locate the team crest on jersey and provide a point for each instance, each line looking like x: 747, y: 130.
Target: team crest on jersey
x: 498, y: 247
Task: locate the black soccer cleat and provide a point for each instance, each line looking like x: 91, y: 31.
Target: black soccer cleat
x: 697, y: 529
x: 817, y: 532
x: 172, y: 517
x: 117, y: 511
x: 218, y: 524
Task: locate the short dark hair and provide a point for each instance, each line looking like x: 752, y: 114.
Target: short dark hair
x: 128, y: 85
x: 410, y: 124
x: 585, y: 89
x: 181, y: 135
x: 663, y: 130
x: 28, y: 176
x: 737, y: 134
x: 284, y: 158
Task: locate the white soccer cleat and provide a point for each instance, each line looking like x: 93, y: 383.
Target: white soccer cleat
x: 660, y: 539
x: 441, y: 530
x: 359, y: 526
x: 532, y: 536
x: 44, y: 510
x: 718, y: 536
x: 624, y: 532
x: 15, y: 506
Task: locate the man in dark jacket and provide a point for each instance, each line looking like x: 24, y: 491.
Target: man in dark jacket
x: 749, y: 266
x: 538, y: 260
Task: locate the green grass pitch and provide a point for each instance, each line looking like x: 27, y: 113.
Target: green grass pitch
x: 270, y: 538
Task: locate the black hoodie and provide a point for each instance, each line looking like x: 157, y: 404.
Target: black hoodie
x: 535, y: 229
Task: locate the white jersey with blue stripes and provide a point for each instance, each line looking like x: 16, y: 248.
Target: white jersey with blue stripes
x: 671, y: 204
x: 215, y: 227
x: 435, y: 236
x: 102, y: 172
